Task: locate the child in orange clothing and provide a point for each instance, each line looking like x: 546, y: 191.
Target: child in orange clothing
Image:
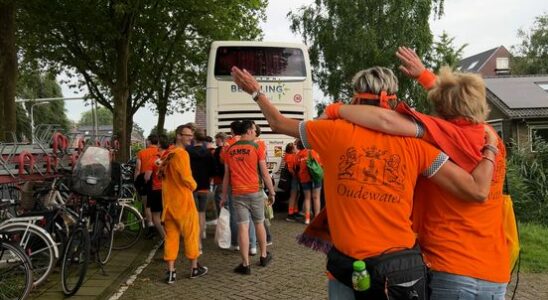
x: 179, y: 214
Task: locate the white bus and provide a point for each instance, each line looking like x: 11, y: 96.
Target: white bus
x: 282, y: 69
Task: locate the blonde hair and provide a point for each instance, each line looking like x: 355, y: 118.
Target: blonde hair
x: 459, y: 95
x: 374, y: 80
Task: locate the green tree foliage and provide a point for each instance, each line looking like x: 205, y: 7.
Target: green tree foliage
x: 444, y: 53
x: 104, y: 117
x: 528, y: 182
x: 34, y: 84
x: 174, y: 77
x: 129, y: 52
x: 346, y: 36
x: 531, y: 56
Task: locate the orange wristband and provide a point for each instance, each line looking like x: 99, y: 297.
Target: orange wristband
x: 332, y: 110
x: 427, y: 79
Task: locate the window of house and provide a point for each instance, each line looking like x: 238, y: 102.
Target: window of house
x: 472, y: 65
x: 537, y: 133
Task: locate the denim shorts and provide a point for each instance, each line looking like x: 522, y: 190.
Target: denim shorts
x: 338, y: 291
x: 446, y: 286
x: 311, y: 185
x: 294, y: 184
x: 247, y: 204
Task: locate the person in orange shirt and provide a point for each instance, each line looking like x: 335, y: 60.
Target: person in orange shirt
x: 241, y: 162
x: 179, y: 214
x: 233, y: 222
x: 463, y: 242
x: 311, y: 189
x: 142, y: 185
x: 369, y: 183
x: 154, y: 197
x: 290, y: 162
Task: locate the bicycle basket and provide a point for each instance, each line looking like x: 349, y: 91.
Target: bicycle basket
x: 91, y: 176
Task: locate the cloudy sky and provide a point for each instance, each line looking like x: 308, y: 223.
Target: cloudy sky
x: 481, y: 24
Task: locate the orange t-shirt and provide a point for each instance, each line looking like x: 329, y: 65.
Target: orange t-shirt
x: 461, y: 237
x: 154, y: 167
x: 369, y: 182
x: 228, y: 142
x: 290, y: 161
x: 145, y: 155
x: 242, y: 159
x: 300, y: 161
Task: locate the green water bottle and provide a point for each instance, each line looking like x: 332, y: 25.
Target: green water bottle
x: 360, y: 277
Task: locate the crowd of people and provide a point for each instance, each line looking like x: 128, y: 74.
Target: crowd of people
x: 418, y: 198
x: 174, y: 181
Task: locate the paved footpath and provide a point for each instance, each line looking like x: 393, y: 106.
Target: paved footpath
x: 295, y: 273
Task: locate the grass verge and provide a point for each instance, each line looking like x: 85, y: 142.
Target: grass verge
x: 534, y: 247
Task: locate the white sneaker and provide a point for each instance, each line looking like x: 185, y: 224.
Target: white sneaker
x: 234, y: 248
x: 253, y: 251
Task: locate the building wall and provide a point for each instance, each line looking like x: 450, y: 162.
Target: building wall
x: 495, y: 113
x: 522, y: 129
x: 489, y: 68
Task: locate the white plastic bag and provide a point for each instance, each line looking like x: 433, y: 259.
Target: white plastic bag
x: 222, y: 232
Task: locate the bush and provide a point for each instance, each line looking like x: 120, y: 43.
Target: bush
x: 528, y: 182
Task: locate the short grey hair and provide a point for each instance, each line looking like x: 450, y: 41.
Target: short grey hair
x: 374, y: 80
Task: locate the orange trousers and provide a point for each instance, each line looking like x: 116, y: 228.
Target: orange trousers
x: 184, y: 224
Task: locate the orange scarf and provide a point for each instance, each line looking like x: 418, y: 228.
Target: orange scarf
x: 383, y: 98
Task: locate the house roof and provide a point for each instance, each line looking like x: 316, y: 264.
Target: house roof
x: 519, y: 96
x: 474, y: 63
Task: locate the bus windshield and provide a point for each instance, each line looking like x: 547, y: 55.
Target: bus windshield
x: 261, y: 61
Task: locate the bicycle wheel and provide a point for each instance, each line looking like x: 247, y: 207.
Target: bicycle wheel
x: 75, y: 261
x: 37, y: 245
x: 128, y: 228
x: 15, y: 272
x: 104, y: 238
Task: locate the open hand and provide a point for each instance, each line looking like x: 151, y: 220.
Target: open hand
x: 244, y: 80
x: 412, y: 65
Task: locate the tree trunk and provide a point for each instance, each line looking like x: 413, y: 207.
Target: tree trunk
x: 121, y: 95
x: 8, y: 69
x: 162, y: 111
x: 129, y: 123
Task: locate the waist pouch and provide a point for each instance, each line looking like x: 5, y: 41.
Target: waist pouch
x: 395, y: 275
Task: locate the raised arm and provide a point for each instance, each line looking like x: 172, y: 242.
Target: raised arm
x: 413, y: 67
x: 470, y: 187
x: 275, y: 119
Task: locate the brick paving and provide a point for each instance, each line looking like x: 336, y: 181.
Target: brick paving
x: 295, y: 272
x: 97, y: 284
